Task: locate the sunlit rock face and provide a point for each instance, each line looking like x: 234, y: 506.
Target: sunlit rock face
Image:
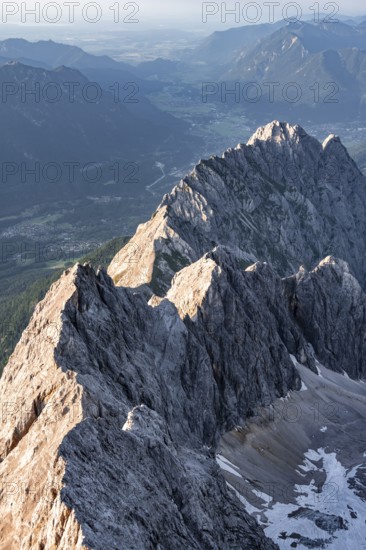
x: 283, y: 198
x: 117, y: 396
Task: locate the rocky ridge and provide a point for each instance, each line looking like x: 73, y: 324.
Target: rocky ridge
x: 283, y: 198
x: 116, y: 398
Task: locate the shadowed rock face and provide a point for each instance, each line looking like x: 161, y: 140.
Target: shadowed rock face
x: 115, y: 405
x: 330, y: 307
x: 283, y: 198
x: 121, y: 403
x: 131, y: 404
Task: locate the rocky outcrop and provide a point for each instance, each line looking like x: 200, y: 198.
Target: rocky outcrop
x: 114, y: 401
x: 283, y: 198
x: 116, y: 398
x: 330, y: 308
x: 112, y: 423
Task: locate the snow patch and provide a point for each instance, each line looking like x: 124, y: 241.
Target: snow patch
x: 249, y: 508
x: 332, y: 501
x: 296, y: 364
x: 287, y: 396
x: 317, y: 364
x: 227, y: 466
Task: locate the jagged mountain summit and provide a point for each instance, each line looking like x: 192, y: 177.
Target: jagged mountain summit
x: 283, y: 198
x: 117, y: 398
x: 317, y: 71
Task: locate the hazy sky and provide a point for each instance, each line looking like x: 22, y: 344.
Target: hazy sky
x: 193, y: 10
x: 182, y: 13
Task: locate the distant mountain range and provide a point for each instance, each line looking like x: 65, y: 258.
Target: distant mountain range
x: 72, y: 118
x: 223, y: 47
x: 100, y: 117
x: 50, y: 54
x: 313, y: 71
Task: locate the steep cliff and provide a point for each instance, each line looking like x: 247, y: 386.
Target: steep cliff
x: 115, y: 399
x: 283, y: 198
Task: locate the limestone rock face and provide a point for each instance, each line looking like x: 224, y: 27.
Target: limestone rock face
x: 115, y: 406
x: 115, y: 399
x: 283, y: 198
x: 330, y: 307
x: 40, y: 405
x: 124, y: 413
